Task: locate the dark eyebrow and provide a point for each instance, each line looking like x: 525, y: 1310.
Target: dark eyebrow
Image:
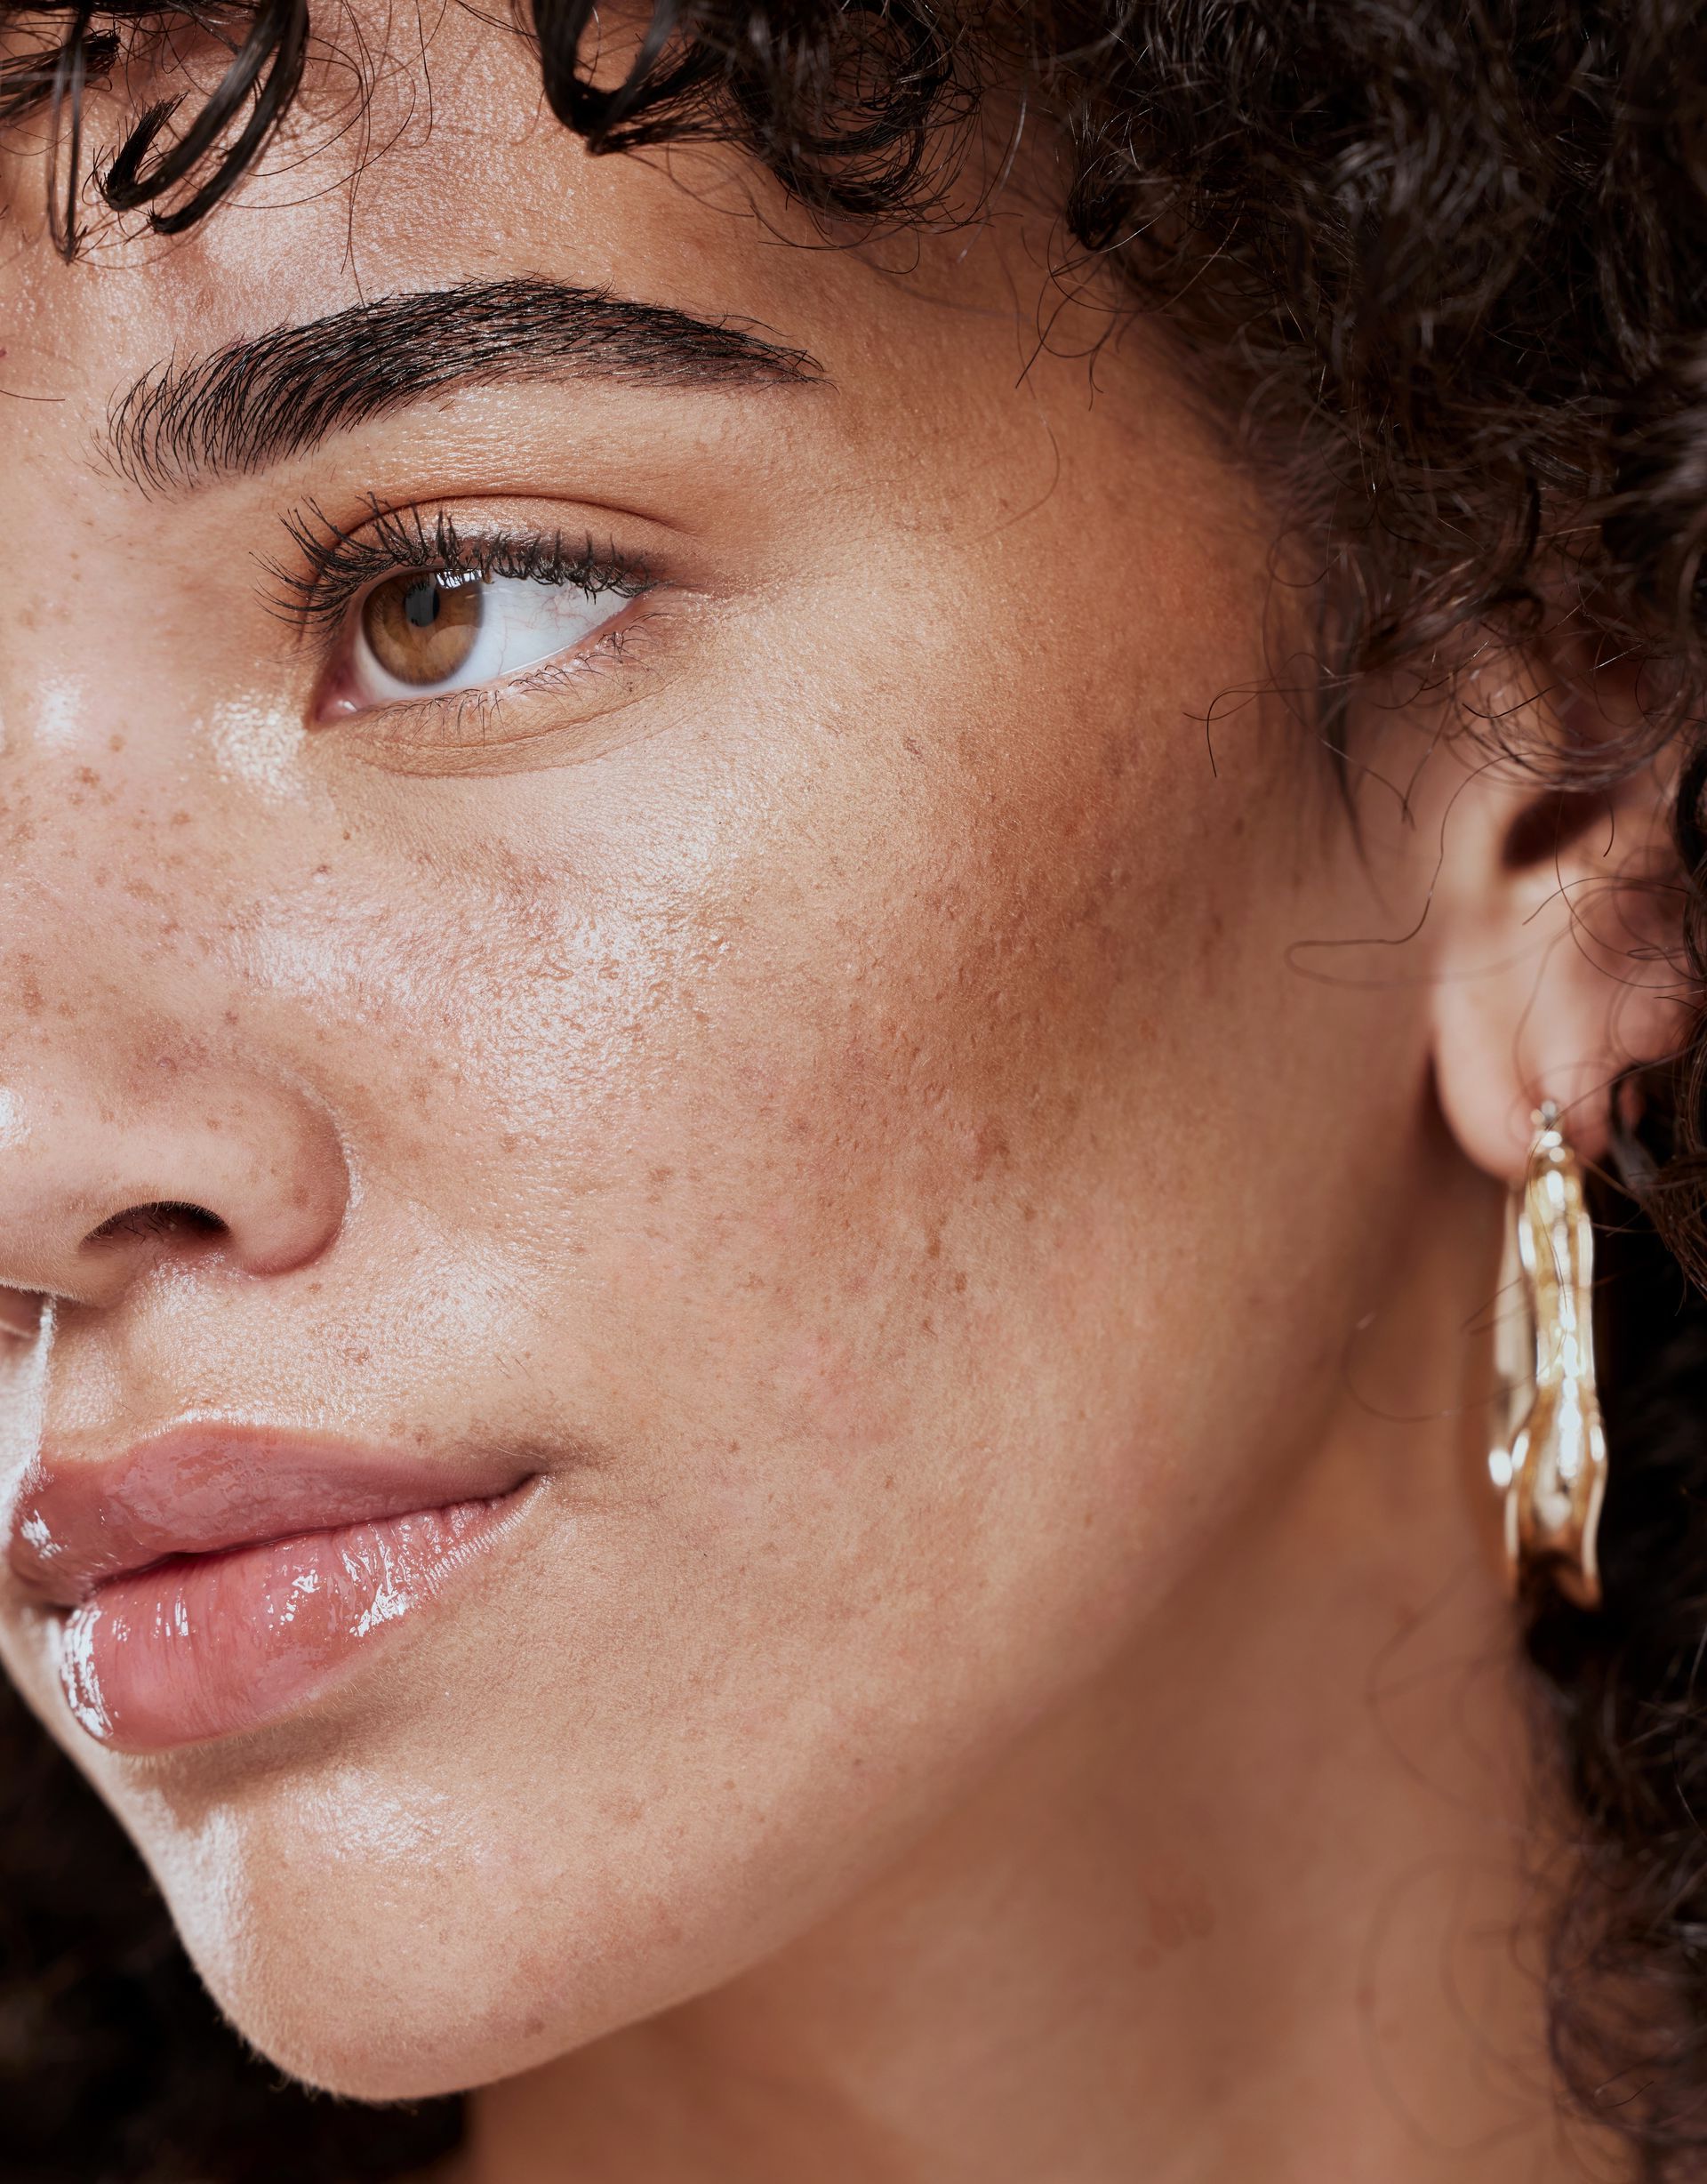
x: 283, y: 392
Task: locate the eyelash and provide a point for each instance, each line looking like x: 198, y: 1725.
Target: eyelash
x: 338, y: 565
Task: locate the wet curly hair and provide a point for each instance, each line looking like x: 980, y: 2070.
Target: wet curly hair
x: 1445, y: 264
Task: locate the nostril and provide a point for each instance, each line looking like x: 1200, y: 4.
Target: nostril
x: 163, y: 1220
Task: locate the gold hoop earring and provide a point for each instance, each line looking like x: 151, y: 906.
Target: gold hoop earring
x: 1551, y: 1461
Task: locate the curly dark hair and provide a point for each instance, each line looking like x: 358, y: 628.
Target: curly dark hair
x: 1446, y: 263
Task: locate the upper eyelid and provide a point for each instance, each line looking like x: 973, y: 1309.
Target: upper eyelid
x: 338, y: 562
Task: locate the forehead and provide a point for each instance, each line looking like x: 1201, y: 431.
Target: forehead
x: 440, y: 166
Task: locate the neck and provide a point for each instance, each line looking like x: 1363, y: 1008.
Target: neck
x: 1252, y: 1907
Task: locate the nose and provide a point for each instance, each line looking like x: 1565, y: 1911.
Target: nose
x: 103, y: 1176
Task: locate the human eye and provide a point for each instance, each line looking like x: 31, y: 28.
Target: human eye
x: 409, y: 610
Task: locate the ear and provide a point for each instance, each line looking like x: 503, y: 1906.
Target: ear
x: 1557, y: 953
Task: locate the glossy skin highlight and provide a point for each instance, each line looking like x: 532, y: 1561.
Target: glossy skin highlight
x: 839, y: 1088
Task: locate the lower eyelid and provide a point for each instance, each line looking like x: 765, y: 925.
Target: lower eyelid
x: 443, y: 715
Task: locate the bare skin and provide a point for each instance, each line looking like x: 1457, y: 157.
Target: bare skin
x: 982, y: 1219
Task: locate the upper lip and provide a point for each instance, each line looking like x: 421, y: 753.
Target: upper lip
x: 199, y: 1489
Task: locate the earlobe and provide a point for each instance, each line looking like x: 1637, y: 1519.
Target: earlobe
x: 1557, y: 959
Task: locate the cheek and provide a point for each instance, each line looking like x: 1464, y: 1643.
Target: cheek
x: 813, y: 1147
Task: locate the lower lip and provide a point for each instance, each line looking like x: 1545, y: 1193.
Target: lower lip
x: 210, y: 1645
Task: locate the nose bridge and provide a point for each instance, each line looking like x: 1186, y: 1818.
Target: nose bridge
x: 136, y: 1079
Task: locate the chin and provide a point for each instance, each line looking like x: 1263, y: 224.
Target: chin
x: 380, y: 1980
x: 381, y: 1931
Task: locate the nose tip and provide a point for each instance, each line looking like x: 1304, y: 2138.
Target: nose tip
x: 249, y: 1172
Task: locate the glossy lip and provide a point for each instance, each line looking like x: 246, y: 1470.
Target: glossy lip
x: 216, y: 1576
x: 80, y: 1522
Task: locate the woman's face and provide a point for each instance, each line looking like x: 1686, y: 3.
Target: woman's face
x: 758, y: 1055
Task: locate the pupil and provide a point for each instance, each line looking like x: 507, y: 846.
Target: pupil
x: 421, y: 604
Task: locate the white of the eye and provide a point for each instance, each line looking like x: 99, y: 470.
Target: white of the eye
x: 521, y: 623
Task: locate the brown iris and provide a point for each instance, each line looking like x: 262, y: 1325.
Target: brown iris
x: 421, y: 629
